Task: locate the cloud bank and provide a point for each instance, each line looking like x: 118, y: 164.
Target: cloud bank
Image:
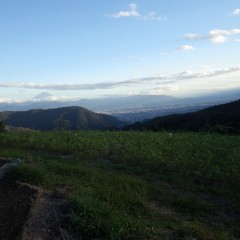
x: 217, y: 36
x: 157, y: 80
x: 160, y: 89
x: 5, y: 100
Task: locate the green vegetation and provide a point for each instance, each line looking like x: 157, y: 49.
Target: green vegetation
x: 136, y: 185
x: 66, y: 118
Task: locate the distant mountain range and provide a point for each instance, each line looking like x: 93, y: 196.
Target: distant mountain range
x: 107, y: 104
x: 129, y: 108
x: 221, y: 118
x: 67, y: 118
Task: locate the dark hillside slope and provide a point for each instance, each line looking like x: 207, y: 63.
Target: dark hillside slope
x: 67, y: 118
x: 224, y: 117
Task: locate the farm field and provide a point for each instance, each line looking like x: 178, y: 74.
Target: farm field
x: 135, y: 185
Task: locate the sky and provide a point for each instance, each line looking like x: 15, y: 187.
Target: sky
x: 88, y: 49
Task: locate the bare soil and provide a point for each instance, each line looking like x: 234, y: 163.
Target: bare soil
x: 30, y: 213
x: 47, y: 220
x: 15, y: 203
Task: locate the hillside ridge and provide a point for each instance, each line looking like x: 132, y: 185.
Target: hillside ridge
x: 219, y: 118
x: 65, y: 118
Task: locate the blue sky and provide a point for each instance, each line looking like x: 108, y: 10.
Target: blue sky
x: 88, y: 49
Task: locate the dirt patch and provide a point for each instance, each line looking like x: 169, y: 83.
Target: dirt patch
x: 15, y: 203
x: 28, y: 213
x: 47, y: 220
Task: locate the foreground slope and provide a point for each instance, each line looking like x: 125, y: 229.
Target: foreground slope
x: 132, y: 185
x: 224, y: 117
x: 67, y: 118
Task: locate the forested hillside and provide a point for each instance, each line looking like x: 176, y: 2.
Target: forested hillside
x: 223, y: 118
x: 67, y: 118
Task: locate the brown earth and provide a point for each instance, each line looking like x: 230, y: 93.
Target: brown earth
x: 15, y: 202
x: 30, y: 213
x: 47, y: 220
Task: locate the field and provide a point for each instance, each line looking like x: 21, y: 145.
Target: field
x: 136, y: 185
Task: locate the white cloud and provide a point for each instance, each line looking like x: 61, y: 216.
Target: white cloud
x: 8, y: 100
x: 236, y: 11
x: 217, y: 36
x: 133, y: 12
x: 152, y: 16
x: 192, y: 36
x: 237, y: 40
x: 4, y: 100
x: 157, y: 80
x: 186, y: 48
x: 161, y: 89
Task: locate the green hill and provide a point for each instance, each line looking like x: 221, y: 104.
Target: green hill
x: 67, y: 118
x: 223, y: 118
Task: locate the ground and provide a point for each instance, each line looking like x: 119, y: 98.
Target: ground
x: 128, y: 185
x: 27, y: 212
x: 15, y: 202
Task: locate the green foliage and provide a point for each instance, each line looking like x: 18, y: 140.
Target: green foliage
x: 28, y: 174
x: 136, y: 185
x: 67, y: 118
x: 204, y: 158
x: 96, y: 219
x: 192, y: 205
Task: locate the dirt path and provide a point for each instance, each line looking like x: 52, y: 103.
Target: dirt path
x: 46, y: 220
x: 30, y: 213
x: 15, y: 202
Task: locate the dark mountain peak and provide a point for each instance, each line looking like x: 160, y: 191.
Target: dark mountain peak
x: 65, y: 118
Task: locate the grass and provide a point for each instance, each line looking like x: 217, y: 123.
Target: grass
x: 192, y: 205
x: 136, y: 185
